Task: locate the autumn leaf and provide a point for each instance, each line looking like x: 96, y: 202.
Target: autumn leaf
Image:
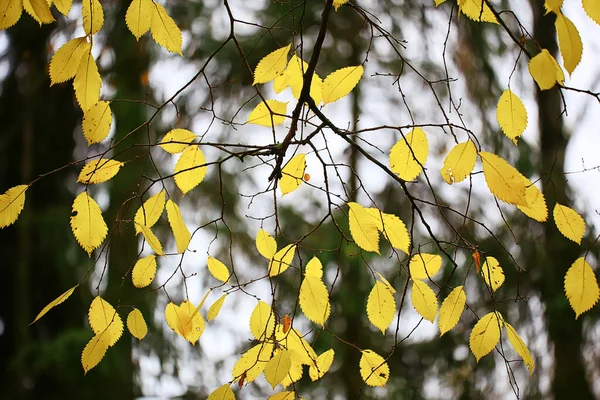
x: 314, y: 296
x: 492, y: 272
x: 214, y: 309
x: 340, y: 83
x: 190, y: 169
x: 520, y: 347
x: 503, y: 180
x: 373, y: 368
x: 381, y: 306
x: 545, y: 70
x: 150, y: 211
x: 87, y: 82
x: 181, y: 138
x: 451, y: 309
x: 97, y: 122
x: 322, y: 365
x: 278, y: 367
x: 569, y: 223
x: 272, y: 65
x: 136, y: 324
x: 424, y: 265
x: 511, y: 115
x: 459, y: 162
x: 262, y: 321
x: 93, y: 16
x: 424, y: 300
x: 222, y: 393
x: 217, y: 269
x: 265, y: 244
x: 569, y: 42
x: 581, y: 287
x: 364, y: 227
x: 292, y: 174
x: 485, y: 334
x: 409, y: 154
x: 10, y: 13
x: 282, y: 260
x: 65, y: 62
x: 11, y: 204
x: 87, y: 223
x: 59, y: 300
x: 268, y: 113
x: 180, y: 231
x: 139, y: 17
x: 99, y: 171
x: 104, y: 319
x: 164, y: 30
x: 144, y: 271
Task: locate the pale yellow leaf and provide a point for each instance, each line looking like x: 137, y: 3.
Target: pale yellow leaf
x: 94, y: 351
x: 214, y: 309
x: 10, y: 12
x: 409, y: 154
x: 39, y: 10
x: 96, y: 122
x: 262, y: 321
x: 545, y: 70
x: 164, y: 30
x: 451, y: 309
x: 477, y: 10
x: 136, y: 324
x: 511, y: 115
x: 520, y: 347
x: 569, y: 223
x: 253, y: 362
x: 65, y: 62
x: 424, y: 300
x: 364, y: 227
x: 177, y: 140
x: 581, y: 287
x: 144, y: 271
x: 292, y: 174
x: 592, y: 9
x: 63, y: 6
x: 485, y: 334
x: 268, y: 113
x: 265, y: 244
x: 93, y: 16
x: 424, y: 265
x: 492, y: 272
x: 283, y: 396
x: 139, y: 17
x: 11, y: 204
x: 150, y: 211
x: 180, y: 231
x: 87, y: 223
x: 59, y: 300
x: 271, y: 65
x: 536, y: 203
x: 190, y: 169
x: 222, y: 393
x: 87, y: 82
x: 278, y: 367
x: 569, y: 42
x: 185, y: 320
x: 340, y: 83
x: 323, y: 364
x: 152, y: 240
x: 99, y: 171
x: 104, y: 318
x: 381, y: 306
x: 314, y: 299
x: 373, y: 369
x: 314, y: 268
x: 459, y: 162
x: 395, y: 231
x: 282, y: 260
x: 217, y: 269
x: 338, y: 3
x: 503, y: 180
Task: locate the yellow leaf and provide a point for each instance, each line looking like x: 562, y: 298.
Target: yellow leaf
x: 265, y: 244
x: 63, y: 6
x: 144, y: 271
x: 11, y: 204
x: 271, y: 65
x: 65, y: 62
x: 139, y: 17
x: 459, y: 162
x: 190, y: 169
x: 214, y: 309
x: 268, y: 113
x: 94, y: 351
x: 39, y: 10
x: 581, y: 287
x: 451, y: 309
x: 545, y: 70
x: 386, y: 283
x: 164, y: 30
x: 295, y: 373
x: 323, y: 364
x: 424, y: 265
x: 511, y: 115
x: 150, y: 211
x: 340, y: 83
x: 477, y: 10
x: 553, y: 5
x: 181, y: 138
x: 278, y: 367
x: 185, y: 320
x: 314, y: 299
x: 314, y: 268
x: 96, y: 122
x: 87, y: 82
x: 59, y: 300
x: 395, y: 231
x: 438, y: 2
x: 104, y: 318
x: 136, y: 324
x: 10, y: 13
x: 152, y: 240
x: 569, y: 42
x: 87, y: 223
x: 262, y: 321
x: 217, y: 269
x: 503, y: 180
x: 485, y: 334
x: 364, y: 227
x: 520, y: 347
x: 592, y: 9
x: 293, y: 76
x: 180, y: 231
x: 338, y: 3
x: 282, y: 260
x: 492, y: 273
x: 253, y: 362
x: 373, y: 368
x: 381, y: 306
x: 424, y: 300
x: 222, y: 393
x: 402, y: 155
x: 283, y: 395
x: 93, y: 16
x: 569, y: 223
x: 292, y: 174
x: 292, y: 340
x: 536, y: 203
x: 98, y: 171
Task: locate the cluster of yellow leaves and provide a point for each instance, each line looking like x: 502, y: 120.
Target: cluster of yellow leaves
x: 477, y: 10
x: 280, y: 260
x: 146, y: 15
x: 423, y: 267
x: 185, y: 320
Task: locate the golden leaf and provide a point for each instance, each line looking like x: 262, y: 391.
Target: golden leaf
x: 569, y: 223
x: 271, y: 65
x: 94, y: 351
x: 87, y: 82
x: 87, y: 223
x: 503, y: 180
x: 424, y: 300
x: 492, y: 272
x: 451, y: 309
x: 485, y: 334
x: 340, y: 83
x: 139, y: 17
x: 282, y: 260
x: 424, y: 265
x: 93, y: 16
x: 105, y: 319
x: 581, y: 287
x: 136, y: 324
x: 459, y: 162
x: 373, y: 369
x: 511, y: 115
x: 278, y: 367
x: 144, y: 271
x: 180, y: 231
x: 323, y: 364
x: 164, y: 30
x: 409, y: 154
x: 545, y: 70
x: 381, y: 306
x: 520, y: 347
x: 262, y: 321
x: 10, y: 13
x: 190, y: 169
x: 214, y: 309
x: 217, y: 269
x: 96, y: 122
x: 268, y: 113
x: 181, y: 137
x: 11, y: 204
x: 222, y: 393
x: 99, y: 171
x: 65, y: 62
x: 536, y: 203
x: 292, y: 174
x: 364, y: 227
x: 265, y: 244
x: 59, y: 300
x: 150, y: 211
x: 569, y: 42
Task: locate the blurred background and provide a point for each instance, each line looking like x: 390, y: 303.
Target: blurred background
x: 425, y: 65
